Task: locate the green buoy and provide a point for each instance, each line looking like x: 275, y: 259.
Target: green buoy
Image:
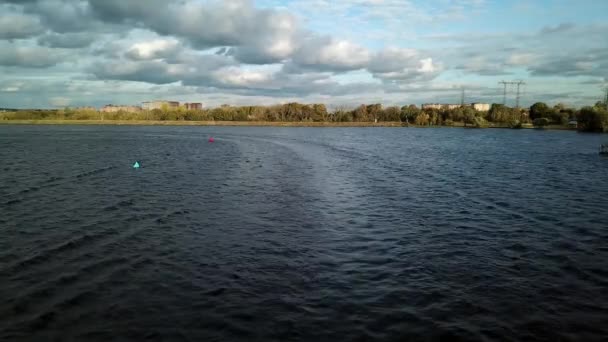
x: 136, y: 165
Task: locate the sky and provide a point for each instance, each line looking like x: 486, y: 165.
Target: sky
x: 58, y: 53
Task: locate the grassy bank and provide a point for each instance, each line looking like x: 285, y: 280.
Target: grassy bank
x: 249, y: 123
x: 201, y: 123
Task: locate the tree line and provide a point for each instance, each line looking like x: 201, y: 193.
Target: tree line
x: 590, y: 118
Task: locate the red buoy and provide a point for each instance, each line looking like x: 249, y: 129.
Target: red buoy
x: 211, y: 140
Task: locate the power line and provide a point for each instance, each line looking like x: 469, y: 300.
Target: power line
x: 518, y: 84
x: 462, y: 97
x: 504, y: 98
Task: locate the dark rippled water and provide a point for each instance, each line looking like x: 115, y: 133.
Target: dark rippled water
x: 301, y: 234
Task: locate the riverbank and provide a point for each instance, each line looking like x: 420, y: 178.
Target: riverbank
x: 250, y: 123
x: 202, y: 123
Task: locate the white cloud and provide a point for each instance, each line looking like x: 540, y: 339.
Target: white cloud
x: 396, y: 64
x: 332, y: 54
x: 427, y: 66
x: 521, y: 59
x: 239, y: 77
x: 153, y: 49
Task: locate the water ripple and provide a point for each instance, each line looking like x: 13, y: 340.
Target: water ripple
x: 279, y: 234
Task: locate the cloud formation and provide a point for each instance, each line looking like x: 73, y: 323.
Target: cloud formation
x: 277, y: 49
x: 13, y: 55
x: 67, y: 40
x: 18, y: 26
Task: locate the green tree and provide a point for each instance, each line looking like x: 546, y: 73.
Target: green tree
x: 423, y: 119
x: 257, y: 113
x: 435, y: 119
x: 480, y: 122
x: 469, y: 117
x: 593, y: 119
x: 503, y: 114
x: 319, y: 112
x: 539, y: 110
x: 409, y: 113
x: 515, y: 124
x: 541, y: 122
x: 360, y: 113
x: 560, y: 114
x: 306, y: 113
x: 343, y: 115
x: 271, y: 113
x: 373, y: 112
x: 391, y: 114
x: 446, y: 114
x: 293, y: 112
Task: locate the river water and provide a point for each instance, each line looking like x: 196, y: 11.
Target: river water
x: 301, y: 234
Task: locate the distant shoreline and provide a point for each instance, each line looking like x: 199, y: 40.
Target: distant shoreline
x: 539, y: 116
x: 249, y: 124
x: 202, y: 123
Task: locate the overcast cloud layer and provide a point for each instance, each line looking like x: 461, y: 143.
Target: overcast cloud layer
x: 96, y: 52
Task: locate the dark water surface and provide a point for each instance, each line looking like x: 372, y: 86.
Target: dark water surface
x: 301, y: 234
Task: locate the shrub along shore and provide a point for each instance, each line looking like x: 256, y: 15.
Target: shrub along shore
x: 591, y: 118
